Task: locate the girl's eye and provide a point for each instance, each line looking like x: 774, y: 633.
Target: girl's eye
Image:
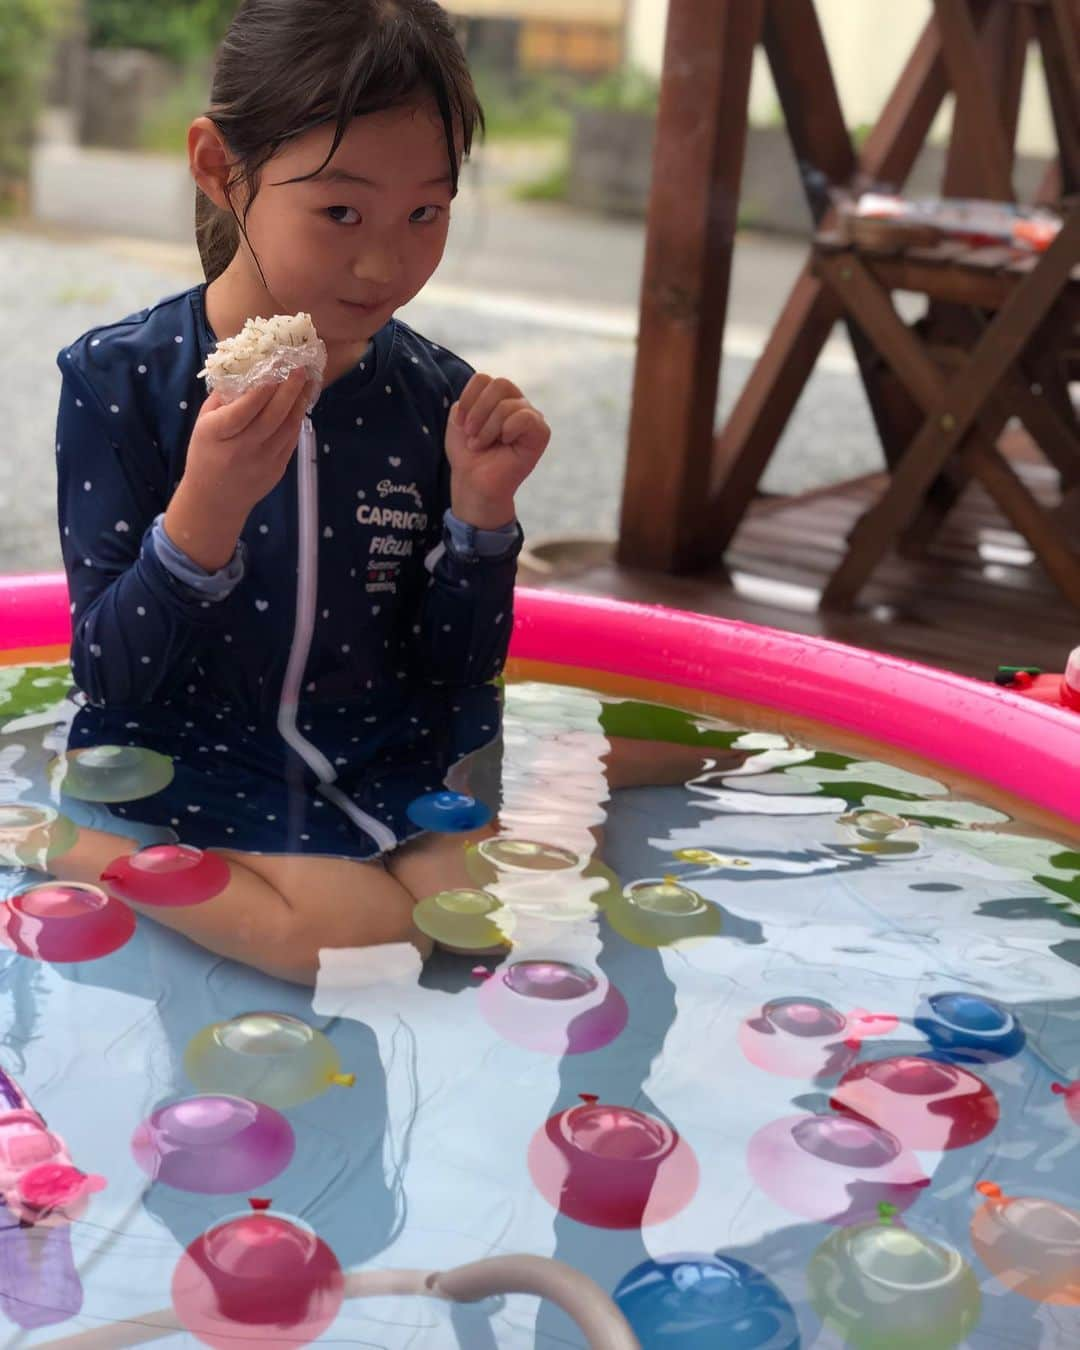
x: 418, y: 217
x: 333, y: 213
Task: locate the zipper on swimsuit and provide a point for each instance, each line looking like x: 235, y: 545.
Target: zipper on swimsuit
x: 307, y: 582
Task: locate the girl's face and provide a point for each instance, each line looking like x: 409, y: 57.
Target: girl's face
x: 359, y: 241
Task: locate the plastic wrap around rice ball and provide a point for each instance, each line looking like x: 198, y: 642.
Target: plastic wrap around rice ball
x: 267, y: 351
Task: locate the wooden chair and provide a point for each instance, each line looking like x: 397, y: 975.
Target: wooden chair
x: 939, y: 392
x: 988, y: 351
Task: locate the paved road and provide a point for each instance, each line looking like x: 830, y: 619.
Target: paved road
x: 542, y: 294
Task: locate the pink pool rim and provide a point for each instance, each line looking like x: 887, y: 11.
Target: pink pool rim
x: 978, y: 731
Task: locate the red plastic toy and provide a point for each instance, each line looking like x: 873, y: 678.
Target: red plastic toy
x: 1061, y: 691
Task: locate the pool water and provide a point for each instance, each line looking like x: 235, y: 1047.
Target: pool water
x: 751, y: 1088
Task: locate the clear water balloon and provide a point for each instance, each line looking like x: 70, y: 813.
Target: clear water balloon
x: 115, y: 773
x: 32, y: 834
x: 542, y: 879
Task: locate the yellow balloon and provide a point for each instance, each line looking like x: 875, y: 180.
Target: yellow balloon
x: 659, y: 913
x: 265, y: 1056
x: 472, y: 920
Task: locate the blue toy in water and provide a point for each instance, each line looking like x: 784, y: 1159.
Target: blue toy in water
x: 698, y: 1302
x: 447, y: 812
x: 969, y: 1028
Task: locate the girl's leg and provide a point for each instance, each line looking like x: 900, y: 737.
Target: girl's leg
x: 435, y: 862
x: 278, y: 909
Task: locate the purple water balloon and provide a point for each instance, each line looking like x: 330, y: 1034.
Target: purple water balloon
x: 554, y: 1007
x: 214, y: 1144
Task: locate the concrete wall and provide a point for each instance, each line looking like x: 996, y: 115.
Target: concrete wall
x: 868, y: 41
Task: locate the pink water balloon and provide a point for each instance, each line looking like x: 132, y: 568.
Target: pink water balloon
x: 553, y: 1007
x: 803, y: 1037
x: 833, y: 1169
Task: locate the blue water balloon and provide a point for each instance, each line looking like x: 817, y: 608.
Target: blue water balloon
x: 699, y: 1302
x: 447, y: 812
x: 969, y: 1028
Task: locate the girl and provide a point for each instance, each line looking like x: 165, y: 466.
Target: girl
x: 309, y: 635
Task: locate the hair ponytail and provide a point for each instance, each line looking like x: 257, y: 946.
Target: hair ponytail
x: 216, y: 235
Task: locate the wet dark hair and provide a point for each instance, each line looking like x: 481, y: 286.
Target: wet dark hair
x: 286, y: 67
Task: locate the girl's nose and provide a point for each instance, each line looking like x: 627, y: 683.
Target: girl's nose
x: 376, y: 267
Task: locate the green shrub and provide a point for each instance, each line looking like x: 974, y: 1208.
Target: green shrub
x: 531, y: 107
x: 553, y: 187
x: 629, y: 90
x: 164, y: 128
x: 182, y: 31
x: 27, y: 31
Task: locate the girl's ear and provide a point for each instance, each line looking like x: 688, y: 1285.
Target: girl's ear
x: 210, y: 161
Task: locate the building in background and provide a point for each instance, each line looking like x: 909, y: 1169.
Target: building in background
x: 585, y: 38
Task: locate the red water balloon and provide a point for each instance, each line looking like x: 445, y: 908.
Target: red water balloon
x: 65, y: 921
x: 255, y: 1279
x: 612, y: 1166
x: 925, y: 1103
x: 167, y: 875
x: 1071, y: 1093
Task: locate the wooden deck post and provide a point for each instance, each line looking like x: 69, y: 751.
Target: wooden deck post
x: 701, y: 139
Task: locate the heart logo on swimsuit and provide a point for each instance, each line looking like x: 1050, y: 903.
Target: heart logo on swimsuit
x: 261, y: 605
x: 395, y: 461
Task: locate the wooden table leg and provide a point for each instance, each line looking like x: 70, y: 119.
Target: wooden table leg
x: 701, y: 134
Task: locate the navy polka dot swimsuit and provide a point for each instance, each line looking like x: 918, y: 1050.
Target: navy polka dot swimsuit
x: 349, y: 667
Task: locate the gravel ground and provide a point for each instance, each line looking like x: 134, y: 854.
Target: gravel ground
x: 582, y: 383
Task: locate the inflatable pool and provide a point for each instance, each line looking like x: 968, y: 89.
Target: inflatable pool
x: 795, y: 1063
x: 977, y: 733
